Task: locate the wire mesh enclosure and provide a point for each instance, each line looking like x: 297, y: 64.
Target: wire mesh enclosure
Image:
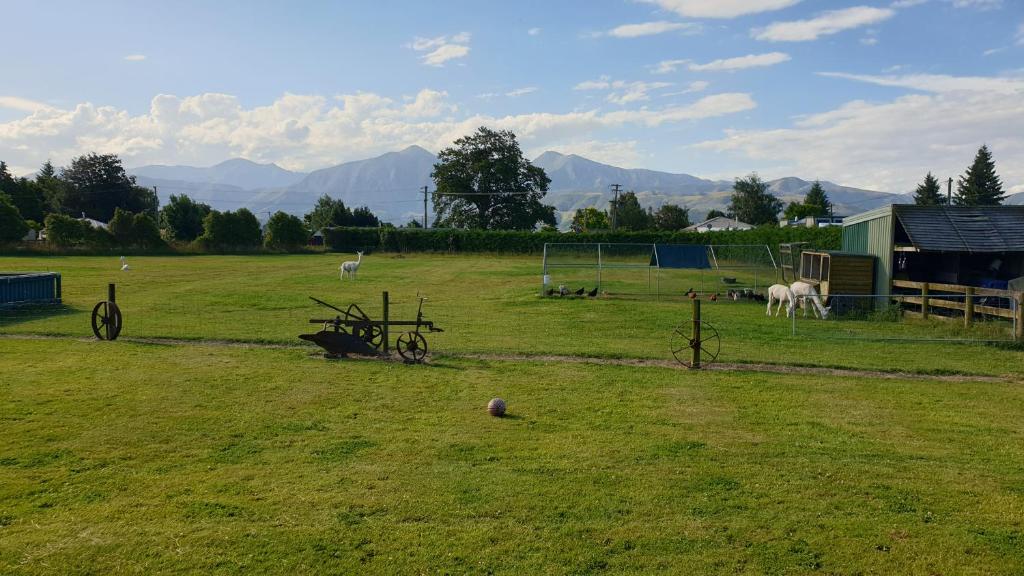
x: 655, y: 270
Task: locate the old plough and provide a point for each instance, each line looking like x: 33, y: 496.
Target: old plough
x: 352, y: 331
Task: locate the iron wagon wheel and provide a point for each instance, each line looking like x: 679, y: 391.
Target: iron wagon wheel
x: 372, y: 335
x: 412, y: 346
x: 682, y: 341
x: 106, y: 320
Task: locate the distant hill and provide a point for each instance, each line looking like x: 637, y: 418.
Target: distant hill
x: 236, y: 172
x: 389, y: 184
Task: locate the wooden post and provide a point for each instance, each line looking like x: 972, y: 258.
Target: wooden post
x: 924, y: 301
x: 696, y: 334
x: 969, y: 307
x: 1018, y: 329
x: 112, y: 293
x: 384, y: 327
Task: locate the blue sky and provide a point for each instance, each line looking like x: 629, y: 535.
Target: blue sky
x: 868, y: 94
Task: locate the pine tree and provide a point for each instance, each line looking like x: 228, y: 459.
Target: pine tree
x: 980, y: 185
x: 816, y: 201
x: 928, y: 192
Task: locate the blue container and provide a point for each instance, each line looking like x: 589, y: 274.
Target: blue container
x: 19, y: 288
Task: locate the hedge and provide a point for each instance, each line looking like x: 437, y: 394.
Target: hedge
x: 345, y: 239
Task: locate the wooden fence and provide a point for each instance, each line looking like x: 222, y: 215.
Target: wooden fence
x: 967, y: 305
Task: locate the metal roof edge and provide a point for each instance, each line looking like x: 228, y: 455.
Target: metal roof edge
x: 869, y: 215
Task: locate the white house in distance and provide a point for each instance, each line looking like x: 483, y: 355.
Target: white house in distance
x: 719, y: 223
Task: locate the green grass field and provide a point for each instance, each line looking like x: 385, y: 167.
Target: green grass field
x: 200, y: 457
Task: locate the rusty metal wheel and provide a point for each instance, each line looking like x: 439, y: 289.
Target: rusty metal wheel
x: 683, y: 341
x: 412, y: 346
x: 106, y: 320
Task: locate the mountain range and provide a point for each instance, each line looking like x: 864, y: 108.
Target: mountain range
x: 391, y: 185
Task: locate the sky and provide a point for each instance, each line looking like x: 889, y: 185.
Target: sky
x: 862, y: 93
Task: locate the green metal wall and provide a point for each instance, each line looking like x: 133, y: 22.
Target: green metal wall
x: 873, y: 236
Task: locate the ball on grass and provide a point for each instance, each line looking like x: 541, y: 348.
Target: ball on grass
x: 496, y: 407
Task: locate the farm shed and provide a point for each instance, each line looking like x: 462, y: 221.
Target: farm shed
x: 17, y: 288
x: 967, y: 246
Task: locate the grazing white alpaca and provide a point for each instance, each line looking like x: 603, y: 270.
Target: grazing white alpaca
x: 805, y: 292
x: 124, y: 265
x: 781, y: 293
x: 351, y: 267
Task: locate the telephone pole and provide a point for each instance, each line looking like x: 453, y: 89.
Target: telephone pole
x: 949, y: 192
x: 615, y: 204
x: 424, y: 207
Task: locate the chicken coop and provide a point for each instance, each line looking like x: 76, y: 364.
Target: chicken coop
x: 658, y: 270
x: 841, y: 278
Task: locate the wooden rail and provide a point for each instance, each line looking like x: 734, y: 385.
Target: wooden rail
x: 970, y: 309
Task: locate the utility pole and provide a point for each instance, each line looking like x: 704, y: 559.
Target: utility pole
x: 424, y: 207
x: 615, y: 205
x: 949, y: 192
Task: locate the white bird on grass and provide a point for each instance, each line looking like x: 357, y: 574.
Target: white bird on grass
x: 124, y: 265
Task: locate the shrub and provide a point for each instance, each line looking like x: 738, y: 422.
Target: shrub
x: 238, y: 229
x: 285, y: 231
x: 64, y: 230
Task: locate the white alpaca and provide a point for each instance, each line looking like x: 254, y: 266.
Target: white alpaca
x: 805, y: 292
x: 781, y: 293
x: 124, y: 265
x: 351, y: 267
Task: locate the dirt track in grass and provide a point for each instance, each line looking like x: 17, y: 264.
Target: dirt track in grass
x: 640, y: 362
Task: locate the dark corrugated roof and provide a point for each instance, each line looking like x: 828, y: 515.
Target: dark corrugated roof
x: 963, y: 229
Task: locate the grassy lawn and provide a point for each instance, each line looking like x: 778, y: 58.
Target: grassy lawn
x: 134, y: 458
x: 486, y: 304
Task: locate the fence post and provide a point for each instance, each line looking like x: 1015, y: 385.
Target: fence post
x: 924, y: 301
x: 1018, y: 321
x: 696, y: 334
x: 384, y: 326
x: 969, y: 306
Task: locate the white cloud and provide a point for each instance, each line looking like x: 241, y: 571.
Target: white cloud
x: 652, y: 28
x: 992, y: 51
x: 978, y: 4
x: 135, y: 57
x: 869, y: 40
x: 695, y: 86
x: 907, y: 3
x: 521, y: 91
x: 938, y: 83
x: 442, y: 48
x: 667, y: 66
x: 741, y: 62
x: 890, y: 146
x: 305, y: 131
x: 23, y: 104
x: 822, y: 25
x: 534, y: 31
x: 721, y: 8
x: 622, y: 92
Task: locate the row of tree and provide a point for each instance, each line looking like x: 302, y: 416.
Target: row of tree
x: 978, y: 186
x: 96, y: 187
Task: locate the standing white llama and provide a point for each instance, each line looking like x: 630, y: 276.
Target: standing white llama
x: 351, y: 267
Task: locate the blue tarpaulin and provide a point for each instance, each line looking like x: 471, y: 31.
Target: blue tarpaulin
x: 680, y: 256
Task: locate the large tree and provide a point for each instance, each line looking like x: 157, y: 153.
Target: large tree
x: 328, y: 213
x: 980, y: 185
x: 715, y: 213
x: 929, y: 193
x: 183, y: 217
x: 484, y: 181
x: 589, y: 219
x: 52, y: 186
x: 364, y: 218
x: 627, y: 213
x: 97, y: 183
x: 239, y: 229
x: 285, y: 231
x: 12, y: 225
x: 753, y: 203
x: 816, y: 201
x: 671, y: 217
